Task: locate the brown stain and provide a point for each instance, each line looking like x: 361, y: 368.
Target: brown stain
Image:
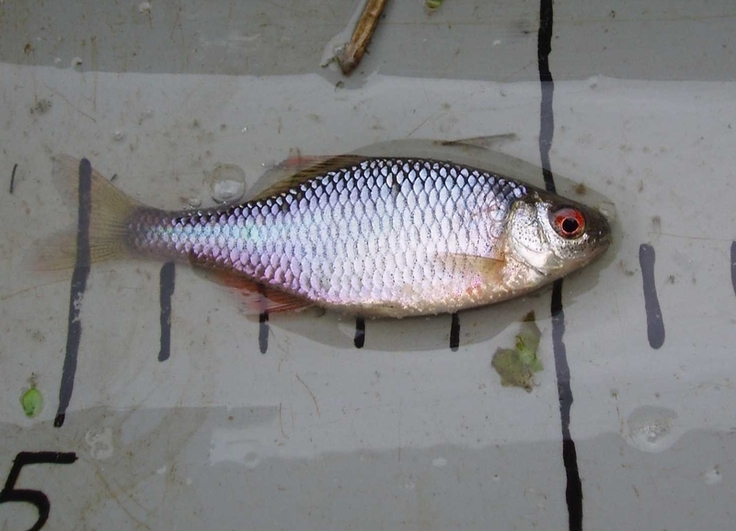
x: 625, y: 269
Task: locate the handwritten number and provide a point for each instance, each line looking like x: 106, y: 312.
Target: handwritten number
x: 34, y: 497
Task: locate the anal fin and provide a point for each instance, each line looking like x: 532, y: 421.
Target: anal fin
x: 257, y: 297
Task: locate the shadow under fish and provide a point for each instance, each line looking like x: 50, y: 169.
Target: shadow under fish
x: 398, y: 229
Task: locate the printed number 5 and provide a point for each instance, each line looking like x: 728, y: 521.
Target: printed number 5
x: 35, y: 497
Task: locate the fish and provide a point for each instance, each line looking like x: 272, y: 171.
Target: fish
x: 369, y: 236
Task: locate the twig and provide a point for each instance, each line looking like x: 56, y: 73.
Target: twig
x: 350, y: 55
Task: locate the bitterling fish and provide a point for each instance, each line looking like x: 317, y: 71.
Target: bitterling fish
x: 375, y: 237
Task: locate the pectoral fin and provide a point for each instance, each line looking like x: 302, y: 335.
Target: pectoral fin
x: 490, y: 270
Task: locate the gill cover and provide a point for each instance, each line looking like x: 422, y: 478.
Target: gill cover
x: 554, y: 235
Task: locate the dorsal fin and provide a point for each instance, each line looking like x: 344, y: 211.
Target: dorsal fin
x: 297, y: 170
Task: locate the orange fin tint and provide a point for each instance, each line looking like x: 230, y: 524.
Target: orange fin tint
x: 297, y: 170
x: 258, y: 298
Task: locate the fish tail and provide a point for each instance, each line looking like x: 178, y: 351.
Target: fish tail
x: 103, y: 225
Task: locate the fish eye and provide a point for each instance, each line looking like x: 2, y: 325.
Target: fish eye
x: 568, y: 222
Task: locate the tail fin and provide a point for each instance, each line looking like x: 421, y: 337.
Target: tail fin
x: 104, y: 215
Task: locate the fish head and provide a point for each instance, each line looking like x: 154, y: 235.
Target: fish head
x: 555, y: 236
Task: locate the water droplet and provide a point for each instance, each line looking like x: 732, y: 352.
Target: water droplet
x: 251, y: 459
x: 496, y: 478
x: 57, y: 60
x: 244, y: 129
x: 195, y: 202
x: 650, y: 428
x: 144, y: 7
x: 439, y: 462
x: 593, y: 81
x: 117, y: 136
x: 100, y: 443
x: 713, y: 477
x: 76, y: 62
x: 227, y: 183
x: 608, y: 210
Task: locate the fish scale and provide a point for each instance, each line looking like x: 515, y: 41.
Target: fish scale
x: 368, y: 234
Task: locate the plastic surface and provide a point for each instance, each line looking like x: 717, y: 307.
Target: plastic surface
x: 190, y: 426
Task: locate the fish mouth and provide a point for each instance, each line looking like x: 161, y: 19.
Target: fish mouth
x: 602, y: 236
x: 599, y: 241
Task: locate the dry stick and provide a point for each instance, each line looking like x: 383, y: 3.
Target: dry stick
x: 350, y: 55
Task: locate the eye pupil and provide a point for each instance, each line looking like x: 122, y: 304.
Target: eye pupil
x: 569, y: 222
x: 570, y: 225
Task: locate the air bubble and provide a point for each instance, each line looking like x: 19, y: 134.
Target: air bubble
x: 650, y: 428
x: 76, y: 62
x: 144, y: 7
x: 227, y: 183
x: 118, y: 136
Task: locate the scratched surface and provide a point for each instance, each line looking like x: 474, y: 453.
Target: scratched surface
x: 170, y: 410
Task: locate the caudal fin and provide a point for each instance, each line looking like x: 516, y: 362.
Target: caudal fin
x: 104, y: 213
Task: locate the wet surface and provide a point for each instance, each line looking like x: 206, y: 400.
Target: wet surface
x: 316, y: 421
x: 122, y: 469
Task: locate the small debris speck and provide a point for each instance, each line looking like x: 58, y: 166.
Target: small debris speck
x: 42, y: 106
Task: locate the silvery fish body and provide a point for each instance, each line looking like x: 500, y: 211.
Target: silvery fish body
x: 376, y: 237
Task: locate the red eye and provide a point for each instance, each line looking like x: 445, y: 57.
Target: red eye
x: 568, y: 222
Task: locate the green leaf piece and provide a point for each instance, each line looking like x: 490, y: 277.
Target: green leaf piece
x: 517, y: 366
x: 32, y: 402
